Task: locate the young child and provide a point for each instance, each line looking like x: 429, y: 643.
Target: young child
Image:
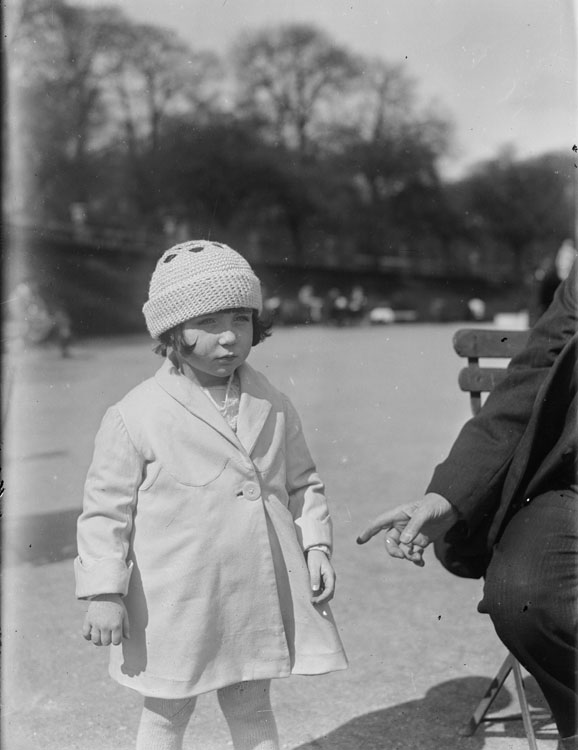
x: 205, y: 537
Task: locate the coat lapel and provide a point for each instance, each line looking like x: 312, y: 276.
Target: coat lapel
x: 253, y: 409
x: 189, y: 395
x: 551, y: 430
x: 550, y: 433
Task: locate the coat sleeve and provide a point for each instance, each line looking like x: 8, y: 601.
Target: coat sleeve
x: 307, y: 501
x: 472, y: 476
x: 105, y: 525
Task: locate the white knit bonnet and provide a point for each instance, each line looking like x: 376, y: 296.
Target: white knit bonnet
x: 195, y: 278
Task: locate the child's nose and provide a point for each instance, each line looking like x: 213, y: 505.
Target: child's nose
x: 226, y: 338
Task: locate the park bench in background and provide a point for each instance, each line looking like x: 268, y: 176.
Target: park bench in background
x: 476, y: 344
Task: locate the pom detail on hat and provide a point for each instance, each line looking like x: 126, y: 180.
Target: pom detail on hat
x: 195, y: 278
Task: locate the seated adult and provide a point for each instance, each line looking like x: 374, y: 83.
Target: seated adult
x: 504, y: 505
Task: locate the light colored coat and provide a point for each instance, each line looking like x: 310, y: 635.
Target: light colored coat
x: 203, y: 530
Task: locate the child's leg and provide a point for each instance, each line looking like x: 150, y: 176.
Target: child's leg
x: 163, y: 723
x: 247, y: 708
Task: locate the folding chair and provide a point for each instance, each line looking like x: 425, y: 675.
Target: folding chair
x: 475, y: 379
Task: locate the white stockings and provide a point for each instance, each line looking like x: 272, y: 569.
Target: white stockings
x: 246, y: 707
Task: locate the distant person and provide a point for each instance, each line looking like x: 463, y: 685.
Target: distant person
x: 38, y: 319
x: 476, y: 309
x: 329, y: 304
x: 357, y: 304
x: 205, y: 540
x: 335, y: 306
x: 310, y: 303
x: 273, y: 306
x: 550, y: 279
x: 504, y: 505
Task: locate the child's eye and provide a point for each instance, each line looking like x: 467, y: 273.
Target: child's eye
x: 243, y: 317
x: 204, y: 321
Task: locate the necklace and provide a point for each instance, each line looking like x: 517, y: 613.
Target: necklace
x: 225, y: 405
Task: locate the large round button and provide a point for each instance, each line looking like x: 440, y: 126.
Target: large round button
x: 251, y: 491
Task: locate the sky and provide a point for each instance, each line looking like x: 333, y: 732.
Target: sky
x: 504, y: 71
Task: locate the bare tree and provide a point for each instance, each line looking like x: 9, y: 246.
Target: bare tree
x: 59, y: 58
x: 87, y: 82
x: 383, y: 100
x: 288, y: 79
x: 158, y: 74
x: 393, y: 141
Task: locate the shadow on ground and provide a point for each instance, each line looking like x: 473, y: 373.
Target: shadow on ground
x: 40, y: 538
x: 437, y: 721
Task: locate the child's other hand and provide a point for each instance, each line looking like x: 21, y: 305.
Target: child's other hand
x: 106, y: 621
x: 322, y: 576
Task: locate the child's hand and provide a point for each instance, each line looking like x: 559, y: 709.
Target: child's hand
x: 106, y: 620
x: 322, y: 576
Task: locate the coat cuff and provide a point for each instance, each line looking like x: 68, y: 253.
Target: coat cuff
x: 325, y: 548
x: 313, y: 532
x: 110, y: 576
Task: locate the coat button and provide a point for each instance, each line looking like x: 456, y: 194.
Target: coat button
x: 251, y: 491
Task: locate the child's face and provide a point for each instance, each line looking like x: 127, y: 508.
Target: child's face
x: 222, y: 342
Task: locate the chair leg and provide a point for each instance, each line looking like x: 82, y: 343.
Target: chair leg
x: 510, y: 664
x: 525, y: 709
x: 489, y: 696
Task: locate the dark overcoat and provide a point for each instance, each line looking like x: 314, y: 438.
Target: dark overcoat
x: 522, y: 443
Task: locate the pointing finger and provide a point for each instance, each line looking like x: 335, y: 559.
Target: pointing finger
x: 381, y: 523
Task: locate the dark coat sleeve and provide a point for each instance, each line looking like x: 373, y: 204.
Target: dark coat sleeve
x: 472, y: 475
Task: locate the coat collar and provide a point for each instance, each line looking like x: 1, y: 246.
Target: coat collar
x: 254, y: 406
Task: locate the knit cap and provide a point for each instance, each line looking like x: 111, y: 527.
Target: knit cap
x: 195, y: 278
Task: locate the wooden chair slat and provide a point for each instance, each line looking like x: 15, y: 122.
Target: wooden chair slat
x: 473, y: 342
x: 480, y: 380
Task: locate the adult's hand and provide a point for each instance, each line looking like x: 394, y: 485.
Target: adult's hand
x: 411, y: 527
